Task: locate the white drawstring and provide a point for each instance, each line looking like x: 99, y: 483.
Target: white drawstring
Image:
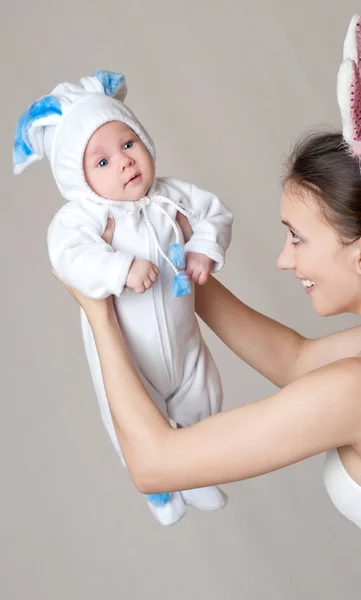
x: 154, y: 235
x: 141, y: 207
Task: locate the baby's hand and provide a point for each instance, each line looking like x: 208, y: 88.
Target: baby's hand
x: 141, y: 276
x: 198, y: 267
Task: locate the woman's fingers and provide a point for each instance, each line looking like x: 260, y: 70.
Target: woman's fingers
x: 109, y: 231
x: 185, y: 226
x: 70, y: 290
x: 58, y: 278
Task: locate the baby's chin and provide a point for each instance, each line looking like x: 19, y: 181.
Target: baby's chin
x: 122, y: 197
x: 135, y: 195
x: 128, y: 198
x: 129, y: 193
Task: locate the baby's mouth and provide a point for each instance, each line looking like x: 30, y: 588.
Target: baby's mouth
x: 133, y: 179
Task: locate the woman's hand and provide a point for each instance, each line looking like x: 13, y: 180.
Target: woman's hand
x: 90, y: 304
x: 185, y: 226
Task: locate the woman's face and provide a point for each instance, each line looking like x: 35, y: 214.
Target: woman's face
x: 329, y: 271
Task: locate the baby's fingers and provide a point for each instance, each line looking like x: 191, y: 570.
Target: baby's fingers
x: 140, y: 288
x: 153, y: 275
x: 148, y: 283
x: 202, y: 279
x: 195, y: 276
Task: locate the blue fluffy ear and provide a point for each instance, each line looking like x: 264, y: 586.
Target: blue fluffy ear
x: 24, y: 152
x: 113, y: 83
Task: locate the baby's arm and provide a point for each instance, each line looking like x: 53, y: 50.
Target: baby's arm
x: 212, y: 231
x: 79, y: 255
x: 198, y: 267
x: 211, y: 225
x: 142, y: 274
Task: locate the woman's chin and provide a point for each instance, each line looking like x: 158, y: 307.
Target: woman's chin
x: 323, y: 309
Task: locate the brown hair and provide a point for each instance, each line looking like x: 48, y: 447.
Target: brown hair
x: 322, y: 164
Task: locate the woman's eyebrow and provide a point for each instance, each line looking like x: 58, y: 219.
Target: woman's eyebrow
x: 288, y: 224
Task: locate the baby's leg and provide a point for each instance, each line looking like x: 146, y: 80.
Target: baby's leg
x: 166, y: 508
x: 198, y: 398
x: 200, y: 394
x: 96, y: 375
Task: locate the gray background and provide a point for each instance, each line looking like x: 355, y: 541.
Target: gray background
x: 224, y: 88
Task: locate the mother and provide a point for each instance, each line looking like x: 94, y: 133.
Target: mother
x: 318, y: 407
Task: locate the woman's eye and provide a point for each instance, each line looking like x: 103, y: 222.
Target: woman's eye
x: 295, y: 238
x: 128, y: 145
x: 103, y: 162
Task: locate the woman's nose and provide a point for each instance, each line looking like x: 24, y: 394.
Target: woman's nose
x: 286, y: 259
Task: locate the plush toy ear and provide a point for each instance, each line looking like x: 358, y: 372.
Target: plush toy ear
x: 351, y: 46
x: 349, y: 88
x: 29, y: 134
x: 113, y: 83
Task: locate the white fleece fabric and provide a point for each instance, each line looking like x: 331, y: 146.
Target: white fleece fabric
x: 162, y: 332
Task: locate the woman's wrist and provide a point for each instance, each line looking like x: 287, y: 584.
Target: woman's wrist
x: 101, y: 311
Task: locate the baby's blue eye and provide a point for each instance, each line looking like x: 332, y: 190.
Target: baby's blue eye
x: 128, y: 145
x: 103, y: 162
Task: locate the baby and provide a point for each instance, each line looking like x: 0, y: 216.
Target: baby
x: 103, y: 162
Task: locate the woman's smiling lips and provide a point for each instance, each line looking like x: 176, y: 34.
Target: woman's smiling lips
x: 308, y: 284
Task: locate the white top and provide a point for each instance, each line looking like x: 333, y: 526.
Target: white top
x: 344, y: 492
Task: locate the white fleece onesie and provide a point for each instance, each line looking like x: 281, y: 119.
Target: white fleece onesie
x: 162, y: 332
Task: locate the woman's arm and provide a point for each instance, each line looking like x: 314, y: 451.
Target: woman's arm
x: 274, y: 350
x: 266, y: 345
x: 318, y: 411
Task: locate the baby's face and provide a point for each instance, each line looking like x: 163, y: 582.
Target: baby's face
x: 117, y: 165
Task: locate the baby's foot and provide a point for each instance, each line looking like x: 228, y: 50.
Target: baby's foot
x: 168, y: 509
x: 206, y: 498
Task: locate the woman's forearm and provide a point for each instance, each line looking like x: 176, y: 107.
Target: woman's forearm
x: 313, y: 414
x: 266, y: 345
x: 140, y: 426
x: 317, y: 412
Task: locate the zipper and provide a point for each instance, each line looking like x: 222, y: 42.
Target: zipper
x: 159, y: 309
